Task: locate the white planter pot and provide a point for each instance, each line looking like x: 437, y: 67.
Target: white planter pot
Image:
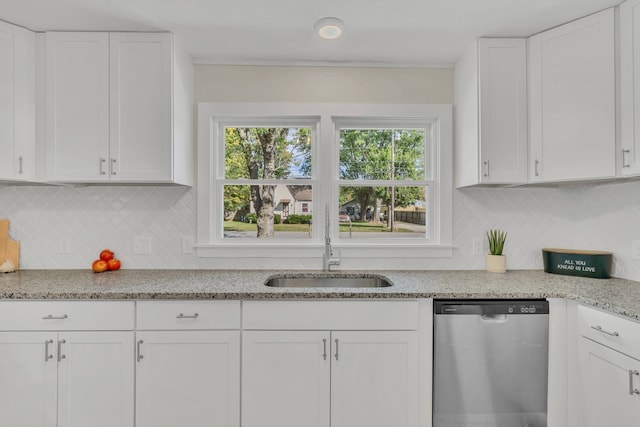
x: 497, y: 263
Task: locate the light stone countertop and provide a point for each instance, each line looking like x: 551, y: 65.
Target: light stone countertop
x: 615, y: 295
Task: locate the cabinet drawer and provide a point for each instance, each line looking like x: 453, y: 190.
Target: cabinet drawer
x: 611, y: 330
x: 330, y: 315
x: 66, y: 315
x: 168, y: 315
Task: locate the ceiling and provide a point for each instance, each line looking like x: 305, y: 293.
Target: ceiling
x: 417, y: 33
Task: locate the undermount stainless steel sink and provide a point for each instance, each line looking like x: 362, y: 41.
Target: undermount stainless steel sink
x: 328, y: 281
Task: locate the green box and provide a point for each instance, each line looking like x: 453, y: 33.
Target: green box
x: 570, y: 262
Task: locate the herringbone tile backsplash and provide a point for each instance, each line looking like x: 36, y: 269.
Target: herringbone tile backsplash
x: 66, y: 227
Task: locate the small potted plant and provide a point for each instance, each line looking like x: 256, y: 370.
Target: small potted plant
x: 496, y: 262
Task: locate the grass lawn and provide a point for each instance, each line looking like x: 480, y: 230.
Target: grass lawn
x: 364, y: 227
x: 245, y: 226
x: 357, y: 227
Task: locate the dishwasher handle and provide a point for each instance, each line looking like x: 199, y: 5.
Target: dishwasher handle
x: 493, y: 318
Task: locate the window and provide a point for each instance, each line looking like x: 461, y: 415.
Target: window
x: 383, y: 184
x: 263, y: 168
x: 275, y: 179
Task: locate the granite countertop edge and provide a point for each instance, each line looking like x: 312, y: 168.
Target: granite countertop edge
x: 619, y: 296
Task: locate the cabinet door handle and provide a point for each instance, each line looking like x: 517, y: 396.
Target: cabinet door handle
x: 632, y: 390
x: 336, y: 341
x: 599, y: 329
x: 182, y: 316
x: 535, y: 168
x: 47, y: 356
x: 139, y: 355
x: 102, y: 162
x: 486, y: 168
x: 324, y: 346
x: 112, y: 167
x: 20, y: 171
x: 60, y: 355
x: 624, y: 158
x: 52, y: 317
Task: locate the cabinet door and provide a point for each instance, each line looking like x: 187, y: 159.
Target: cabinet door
x: 609, y: 380
x: 77, y: 106
x: 630, y: 86
x: 27, y: 379
x: 374, y: 379
x: 285, y: 378
x: 572, y: 100
x: 17, y: 105
x: 188, y: 378
x: 95, y: 379
x: 502, y: 74
x: 141, y: 117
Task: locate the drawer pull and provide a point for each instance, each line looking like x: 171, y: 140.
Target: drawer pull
x: 624, y: 158
x: 182, y: 316
x: 599, y: 329
x: 632, y: 390
x: 60, y: 355
x: 47, y: 356
x: 52, y: 317
x: 139, y: 355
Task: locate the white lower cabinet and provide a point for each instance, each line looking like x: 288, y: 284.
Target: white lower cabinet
x: 188, y: 378
x: 607, y: 384
x: 611, y: 384
x: 188, y: 364
x: 66, y: 379
x: 285, y: 378
x: 374, y: 379
x: 29, y: 379
x: 66, y: 364
x: 324, y: 376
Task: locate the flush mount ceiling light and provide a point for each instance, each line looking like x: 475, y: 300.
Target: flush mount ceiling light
x: 329, y: 28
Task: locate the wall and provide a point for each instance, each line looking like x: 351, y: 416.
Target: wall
x: 215, y: 83
x: 66, y: 227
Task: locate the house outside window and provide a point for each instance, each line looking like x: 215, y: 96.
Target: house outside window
x: 277, y: 177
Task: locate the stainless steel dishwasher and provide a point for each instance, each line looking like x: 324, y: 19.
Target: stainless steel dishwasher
x: 490, y: 363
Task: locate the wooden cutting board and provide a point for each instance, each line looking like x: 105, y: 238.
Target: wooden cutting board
x: 4, y: 238
x: 9, y: 248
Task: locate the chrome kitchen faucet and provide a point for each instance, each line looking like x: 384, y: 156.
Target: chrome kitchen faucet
x: 327, y: 258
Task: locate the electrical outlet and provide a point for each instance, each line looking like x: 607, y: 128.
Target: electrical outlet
x: 635, y: 250
x: 187, y: 244
x: 142, y: 245
x: 478, y: 246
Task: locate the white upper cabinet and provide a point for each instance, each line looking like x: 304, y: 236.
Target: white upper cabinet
x: 630, y: 86
x: 491, y: 113
x: 118, y: 108
x: 572, y: 100
x: 17, y: 103
x: 77, y: 106
x: 140, y: 135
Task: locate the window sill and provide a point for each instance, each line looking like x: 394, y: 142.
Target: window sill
x: 350, y: 251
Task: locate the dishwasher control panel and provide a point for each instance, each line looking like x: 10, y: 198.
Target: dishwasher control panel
x: 491, y: 307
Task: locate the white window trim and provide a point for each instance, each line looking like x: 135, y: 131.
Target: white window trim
x: 307, y: 254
